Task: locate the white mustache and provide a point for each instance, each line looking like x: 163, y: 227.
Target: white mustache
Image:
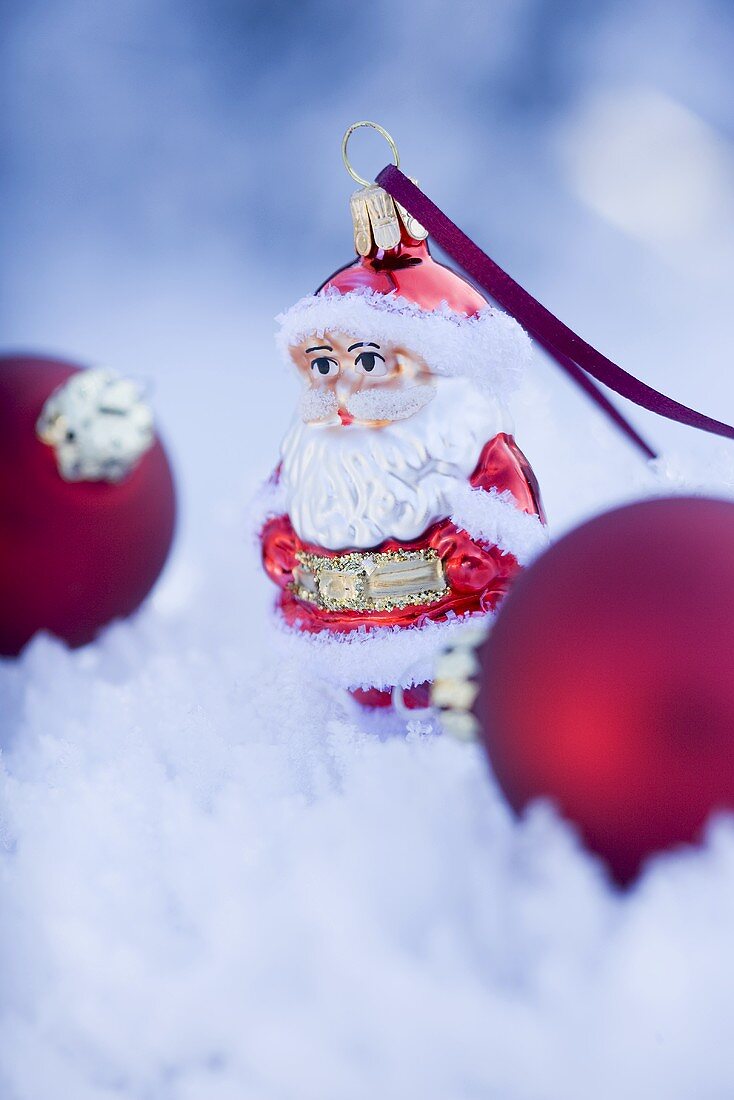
x: 377, y: 403
x: 384, y: 404
x: 318, y: 405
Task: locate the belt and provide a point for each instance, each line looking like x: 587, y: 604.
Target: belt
x: 381, y: 581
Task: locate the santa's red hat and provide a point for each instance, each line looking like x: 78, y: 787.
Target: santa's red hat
x: 403, y: 296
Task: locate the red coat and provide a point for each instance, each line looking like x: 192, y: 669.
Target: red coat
x: 477, y: 574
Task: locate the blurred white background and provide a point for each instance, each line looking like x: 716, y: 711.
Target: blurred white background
x: 173, y: 180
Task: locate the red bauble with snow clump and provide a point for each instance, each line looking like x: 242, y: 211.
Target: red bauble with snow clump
x: 607, y: 682
x: 87, y: 502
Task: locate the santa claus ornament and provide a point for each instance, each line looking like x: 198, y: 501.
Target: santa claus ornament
x: 87, y: 501
x: 402, y: 506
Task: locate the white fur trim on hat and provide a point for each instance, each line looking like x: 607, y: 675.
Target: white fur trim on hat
x: 496, y: 519
x: 490, y: 347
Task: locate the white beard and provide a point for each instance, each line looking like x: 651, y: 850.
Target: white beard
x: 354, y: 487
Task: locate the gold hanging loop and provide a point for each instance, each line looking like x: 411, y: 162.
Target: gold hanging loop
x: 345, y: 142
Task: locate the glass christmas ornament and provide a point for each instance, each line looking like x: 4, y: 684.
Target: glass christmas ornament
x: 401, y: 507
x: 87, y: 501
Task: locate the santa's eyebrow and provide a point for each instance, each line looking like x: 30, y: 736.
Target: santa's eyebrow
x: 363, y: 344
x: 319, y: 347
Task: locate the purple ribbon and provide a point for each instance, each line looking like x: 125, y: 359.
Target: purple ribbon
x: 579, y: 359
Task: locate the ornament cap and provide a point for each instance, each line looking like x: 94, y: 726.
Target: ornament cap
x: 98, y: 424
x: 380, y: 223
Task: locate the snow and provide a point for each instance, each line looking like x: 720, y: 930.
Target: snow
x: 217, y: 884
x: 214, y: 883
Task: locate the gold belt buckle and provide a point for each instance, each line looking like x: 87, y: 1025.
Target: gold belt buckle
x: 381, y: 581
x: 343, y: 586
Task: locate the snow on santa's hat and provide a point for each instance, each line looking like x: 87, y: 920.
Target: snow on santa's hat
x: 403, y: 296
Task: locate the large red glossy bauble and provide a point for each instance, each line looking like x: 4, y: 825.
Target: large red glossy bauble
x: 73, y: 555
x: 608, y: 679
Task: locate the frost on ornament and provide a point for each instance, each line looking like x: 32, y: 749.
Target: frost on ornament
x: 98, y: 425
x: 401, y: 507
x: 317, y: 404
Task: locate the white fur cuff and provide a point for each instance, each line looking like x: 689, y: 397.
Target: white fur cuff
x: 380, y: 658
x: 495, y: 518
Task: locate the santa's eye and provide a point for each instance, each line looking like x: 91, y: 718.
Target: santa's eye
x: 371, y: 362
x: 325, y: 367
